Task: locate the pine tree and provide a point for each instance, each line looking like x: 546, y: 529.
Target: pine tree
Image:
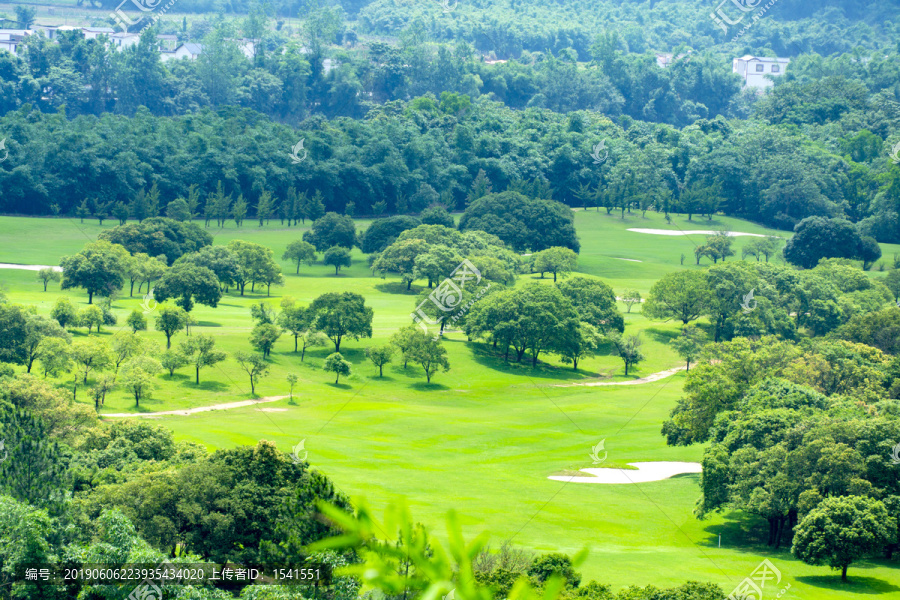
x: 316, y: 206
x: 83, y: 211
x: 35, y: 470
x: 239, y: 210
x: 481, y: 186
x: 138, y: 206
x: 153, y: 201
x: 264, y: 207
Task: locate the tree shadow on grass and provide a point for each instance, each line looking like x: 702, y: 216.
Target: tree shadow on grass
x: 206, y: 386
x: 340, y: 386
x: 181, y: 377
x: 663, y: 336
x: 423, y: 386
x: 207, y: 324
x: 486, y: 356
x: 853, y: 585
x: 398, y: 287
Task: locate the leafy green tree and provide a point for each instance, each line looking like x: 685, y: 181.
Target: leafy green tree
x: 292, y: 380
x: 293, y: 318
x: 594, y: 301
x: 200, y: 351
x: 91, y: 354
x: 342, y: 314
x: 719, y: 246
x: 100, y: 389
x: 547, y: 565
x: 689, y: 344
x: 628, y: 348
x: 682, y: 295
x: 892, y: 281
x: 178, y: 210
x: 172, y: 360
x: 299, y: 251
x: 380, y: 356
x: 64, y: 313
x: 842, y: 530
x: 138, y: 377
x: 83, y: 210
x: 218, y: 259
x: 428, y: 353
x: 578, y: 342
x: 436, y: 264
x: 383, y: 232
x: 437, y: 215
x: 37, y: 330
x: 256, y: 265
x: 337, y: 257
x: 332, y: 230
x: 264, y: 336
x: 47, y: 275
x: 336, y: 364
x: 137, y: 321
x: 255, y: 366
x: 170, y: 320
x: 400, y: 257
x: 91, y: 316
x: 124, y: 345
x: 630, y: 298
x: 557, y: 260
x: 186, y: 283
x: 239, y: 210
x: 523, y: 223
x: 158, y: 236
x: 265, y: 207
x: 55, y: 356
x: 98, y: 268
x: 816, y: 238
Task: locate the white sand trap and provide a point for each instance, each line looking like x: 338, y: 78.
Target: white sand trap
x: 628, y: 259
x: 646, y: 472
x: 694, y: 232
x: 29, y: 267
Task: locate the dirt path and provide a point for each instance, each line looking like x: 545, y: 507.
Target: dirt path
x: 647, y: 379
x: 199, y: 409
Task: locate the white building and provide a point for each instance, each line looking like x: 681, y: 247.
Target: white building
x: 189, y: 51
x: 11, y: 38
x: 755, y: 70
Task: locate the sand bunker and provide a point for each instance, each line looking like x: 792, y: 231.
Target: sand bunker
x: 695, y: 232
x: 628, y: 259
x: 29, y: 267
x: 646, y: 472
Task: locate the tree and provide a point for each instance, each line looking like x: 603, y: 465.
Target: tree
x: 98, y: 268
x: 294, y: 318
x: 578, y: 342
x: 342, y: 314
x: 400, y: 257
x: 256, y: 265
x: 38, y: 329
x: 137, y: 321
x: 816, y: 238
x: 557, y: 260
x: 91, y: 355
x: 682, y: 295
x: 218, y: 259
x: 144, y: 268
x: 90, y: 316
x: 437, y: 215
x: 543, y: 567
x: 718, y: 246
x: 64, y: 313
x: 138, y: 377
x: 404, y: 340
x: 436, y: 264
x: 264, y: 336
x: 383, y: 232
x: 869, y: 251
x: 158, y: 236
x: 200, y: 351
x: 332, y: 230
x: 299, y: 251
x: 264, y: 207
x: 429, y: 354
x: 628, y: 348
x: 124, y: 345
x: 186, y: 282
x: 292, y: 381
x: 892, y: 281
x: 170, y: 320
x: 689, y: 344
x: 380, y: 356
x: 172, y: 360
x: 630, y: 298
x: 594, y: 301
x: 522, y: 222
x: 55, y: 356
x: 25, y: 16
x: 178, y: 210
x: 337, y: 257
x: 336, y: 364
x: 37, y: 474
x: 841, y: 530
x: 82, y: 211
x: 98, y: 392
x: 47, y: 275
x: 255, y: 366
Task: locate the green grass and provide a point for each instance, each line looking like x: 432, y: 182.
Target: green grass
x: 482, y: 438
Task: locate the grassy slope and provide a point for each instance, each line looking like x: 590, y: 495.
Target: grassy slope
x: 482, y: 438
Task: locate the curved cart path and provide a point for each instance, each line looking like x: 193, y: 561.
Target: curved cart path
x: 648, y: 379
x: 199, y: 409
